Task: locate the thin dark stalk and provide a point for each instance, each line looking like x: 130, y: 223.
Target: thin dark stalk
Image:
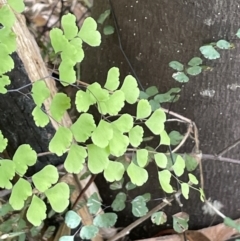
x: 121, y: 47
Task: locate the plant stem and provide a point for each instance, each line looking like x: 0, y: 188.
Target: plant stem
x: 228, y: 148
x: 82, y: 191
x: 184, y: 139
x: 215, y: 210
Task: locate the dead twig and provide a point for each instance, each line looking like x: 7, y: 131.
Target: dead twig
x: 228, y: 148
x: 184, y: 139
x: 177, y: 115
x: 82, y: 191
x: 219, y: 158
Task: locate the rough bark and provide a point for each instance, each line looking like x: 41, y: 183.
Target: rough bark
x: 17, y: 123
x: 154, y: 33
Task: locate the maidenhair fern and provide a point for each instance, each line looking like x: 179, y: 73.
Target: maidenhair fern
x: 99, y: 145
x: 194, y: 66
x: 44, y: 181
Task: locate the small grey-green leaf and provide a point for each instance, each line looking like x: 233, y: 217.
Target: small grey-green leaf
x: 151, y: 91
x: 159, y: 218
x: 175, y: 137
x: 5, y: 209
x: 154, y: 105
x: 66, y: 238
x: 117, y: 184
x: 209, y: 52
x: 103, y: 16
x: 72, y: 219
x: 130, y: 186
x: 93, y: 203
x: 88, y: 232
x: 195, y: 61
x: 139, y: 208
x: 180, y: 77
x: 147, y: 197
x: 223, y: 44
x: 195, y: 70
x: 119, y: 202
x: 105, y: 220
x: 108, y: 30
x: 143, y: 95
x: 176, y: 65
x: 169, y: 96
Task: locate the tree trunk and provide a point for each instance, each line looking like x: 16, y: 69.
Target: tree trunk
x: 153, y: 33
x: 17, y: 123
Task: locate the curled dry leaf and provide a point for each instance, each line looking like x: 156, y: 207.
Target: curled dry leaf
x: 174, y: 237
x: 218, y: 232
x: 39, y: 13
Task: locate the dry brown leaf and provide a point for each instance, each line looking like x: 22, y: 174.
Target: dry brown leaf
x: 219, y: 232
x: 196, y: 236
x: 48, y: 12
x: 174, y: 237
x: 39, y: 21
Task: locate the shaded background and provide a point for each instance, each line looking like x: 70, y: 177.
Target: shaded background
x: 153, y: 33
